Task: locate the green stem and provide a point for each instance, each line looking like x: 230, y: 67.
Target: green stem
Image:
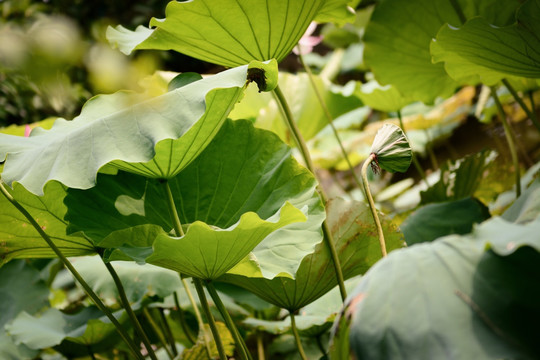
x: 260, y: 346
x: 131, y: 314
x: 414, y: 158
x: 297, y: 337
x: 287, y: 115
x: 240, y: 343
x: 458, y: 11
x: 372, y: 204
x: 509, y: 140
x: 295, y: 132
x: 160, y: 336
x: 530, y: 114
x: 329, y: 119
x: 88, y: 290
x: 210, y: 318
x: 183, y: 322
x: 197, y: 314
x: 172, y: 209
x: 168, y: 331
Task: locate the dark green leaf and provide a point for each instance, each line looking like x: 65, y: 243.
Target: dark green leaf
x: 433, y: 221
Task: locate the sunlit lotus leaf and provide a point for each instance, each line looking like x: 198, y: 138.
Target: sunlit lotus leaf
x: 233, y: 33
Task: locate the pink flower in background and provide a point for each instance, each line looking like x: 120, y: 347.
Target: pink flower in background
x: 307, y: 42
x: 27, y: 130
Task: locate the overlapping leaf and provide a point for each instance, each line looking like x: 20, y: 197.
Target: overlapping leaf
x: 357, y: 246
x: 398, y: 38
x: 20, y: 240
x: 451, y: 298
x: 157, y: 137
x: 243, y: 187
x: 480, y: 52
x: 233, y: 33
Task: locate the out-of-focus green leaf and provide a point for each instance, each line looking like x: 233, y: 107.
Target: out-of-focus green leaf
x: 233, y: 33
x: 357, y: 246
x: 481, y: 52
x: 450, y: 299
x: 303, y: 102
x: 392, y: 148
x: 384, y: 98
x: 53, y: 326
x: 138, y: 280
x: 527, y: 207
x: 155, y: 137
x: 244, y: 186
x: 21, y: 289
x: 459, y: 179
x: 399, y: 34
x: 19, y: 239
x: 433, y: 221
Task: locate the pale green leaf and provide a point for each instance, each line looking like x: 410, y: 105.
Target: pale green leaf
x: 233, y: 32
x: 53, y: 326
x: 155, y: 137
x: 450, y: 299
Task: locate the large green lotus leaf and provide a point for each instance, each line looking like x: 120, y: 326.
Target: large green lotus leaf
x: 207, y: 253
x: 433, y: 221
x: 155, y: 137
x: 449, y: 299
x: 303, y: 102
x: 357, y: 246
x: 244, y: 178
x: 480, y: 52
x: 53, y: 326
x: 313, y: 319
x: 20, y: 240
x: 398, y: 38
x: 233, y: 33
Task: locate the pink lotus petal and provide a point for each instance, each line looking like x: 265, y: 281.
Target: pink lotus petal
x: 27, y: 130
x: 307, y: 42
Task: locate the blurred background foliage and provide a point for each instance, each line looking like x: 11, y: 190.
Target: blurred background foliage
x: 54, y: 55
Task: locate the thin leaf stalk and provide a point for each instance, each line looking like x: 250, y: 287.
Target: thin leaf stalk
x: 297, y: 337
x: 372, y: 204
x: 260, y: 346
x: 158, y: 332
x: 168, y: 331
x: 289, y: 120
x: 519, y: 100
x: 182, y: 318
x: 177, y: 225
x: 87, y: 289
x: 129, y: 310
x: 197, y: 313
x: 172, y: 209
x: 240, y: 343
x: 509, y: 139
x: 414, y: 158
x: 210, y: 318
x: 329, y: 118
